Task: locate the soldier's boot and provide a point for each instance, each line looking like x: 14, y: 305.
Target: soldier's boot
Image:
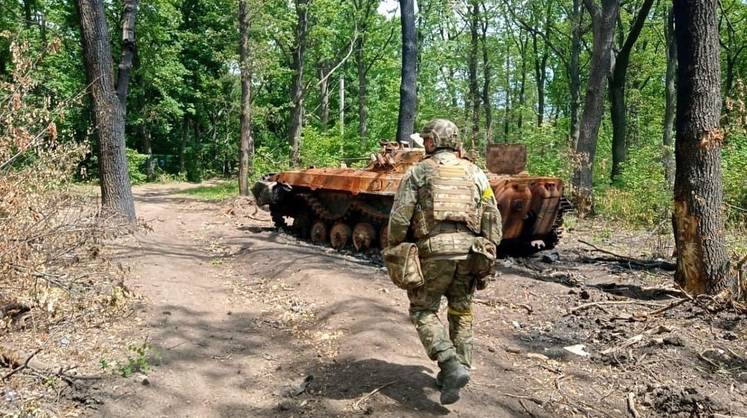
x: 454, y: 377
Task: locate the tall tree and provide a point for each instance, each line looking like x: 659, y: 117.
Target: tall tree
x: 246, y: 145
x: 408, y: 82
x: 486, y: 74
x: 473, y: 103
x: 109, y: 108
x: 698, y: 220
x: 732, y: 42
x: 297, y: 86
x: 363, y: 10
x: 603, y: 27
x: 617, y: 81
x: 669, y: 100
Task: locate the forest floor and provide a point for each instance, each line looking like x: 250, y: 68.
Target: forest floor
x: 239, y: 320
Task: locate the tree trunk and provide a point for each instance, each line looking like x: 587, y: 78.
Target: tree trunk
x: 297, y: 93
x: 474, y: 96
x: 507, y: 105
x: 522, y: 84
x: 603, y: 27
x: 617, y: 91
x: 669, y: 107
x: 362, y: 94
x: 698, y: 220
x: 27, y: 14
x: 128, y: 51
x: 246, y: 145
x: 116, y: 192
x: 323, y: 96
x: 342, y: 105
x: 407, y: 89
x: 574, y: 73
x: 183, y: 145
x: 486, y: 74
x: 150, y: 164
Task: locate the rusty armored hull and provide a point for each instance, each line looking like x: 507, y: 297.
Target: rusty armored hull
x: 350, y: 207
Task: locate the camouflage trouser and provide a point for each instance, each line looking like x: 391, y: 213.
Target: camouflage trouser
x: 448, y: 278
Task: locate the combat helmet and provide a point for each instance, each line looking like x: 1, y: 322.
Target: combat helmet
x: 444, y: 133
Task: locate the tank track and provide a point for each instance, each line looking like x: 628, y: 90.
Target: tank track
x: 369, y: 211
x: 332, y: 210
x: 277, y: 219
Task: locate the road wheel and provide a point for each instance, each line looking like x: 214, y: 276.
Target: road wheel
x: 339, y: 235
x: 363, y: 236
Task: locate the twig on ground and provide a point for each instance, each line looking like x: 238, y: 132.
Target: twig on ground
x: 631, y: 405
x: 493, y: 302
x: 662, y: 310
x: 664, y: 265
x: 627, y: 343
x: 23, y: 366
x: 357, y: 403
x: 610, y: 302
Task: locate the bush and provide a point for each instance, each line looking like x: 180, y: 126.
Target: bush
x: 136, y: 166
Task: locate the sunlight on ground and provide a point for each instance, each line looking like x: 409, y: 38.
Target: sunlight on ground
x: 219, y: 191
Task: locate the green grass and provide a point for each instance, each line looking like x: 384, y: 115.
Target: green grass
x: 219, y: 191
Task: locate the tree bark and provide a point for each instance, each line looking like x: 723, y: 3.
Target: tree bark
x: 669, y: 107
x: 150, y: 164
x: 109, y: 122
x: 617, y: 91
x: 407, y: 89
x: 128, y: 51
x: 297, y: 87
x: 486, y: 74
x: 246, y: 144
x: 362, y: 91
x: 698, y: 220
x: 522, y: 44
x: 603, y: 27
x: 474, y: 95
x: 507, y: 104
x: 574, y: 73
x: 323, y: 96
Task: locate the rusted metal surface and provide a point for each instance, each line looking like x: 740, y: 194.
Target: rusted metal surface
x: 345, y: 206
x: 520, y: 198
x: 343, y: 180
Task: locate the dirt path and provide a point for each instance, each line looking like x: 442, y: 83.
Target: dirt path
x: 240, y: 316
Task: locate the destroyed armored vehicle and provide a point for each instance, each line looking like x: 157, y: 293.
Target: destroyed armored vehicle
x: 346, y: 206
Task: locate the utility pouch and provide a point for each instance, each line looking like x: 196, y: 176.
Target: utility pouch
x: 482, y: 260
x: 491, y: 225
x: 403, y: 264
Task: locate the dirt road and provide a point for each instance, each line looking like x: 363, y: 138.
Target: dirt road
x: 244, y: 321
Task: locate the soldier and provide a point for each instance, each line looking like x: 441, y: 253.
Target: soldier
x: 446, y: 206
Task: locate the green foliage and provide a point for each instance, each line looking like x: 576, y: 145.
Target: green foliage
x: 138, y: 361
x: 215, y: 192
x: 136, y: 166
x: 735, y: 177
x: 641, y: 197
x: 183, y: 103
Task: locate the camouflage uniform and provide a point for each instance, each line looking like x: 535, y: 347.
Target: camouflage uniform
x: 444, y: 249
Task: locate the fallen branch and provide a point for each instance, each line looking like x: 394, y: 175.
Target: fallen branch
x: 610, y: 302
x: 631, y: 405
x: 662, y: 310
x: 664, y: 265
x: 528, y: 398
x: 357, y: 403
x: 21, y: 308
x: 627, y: 343
x: 23, y: 366
x: 494, y: 302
